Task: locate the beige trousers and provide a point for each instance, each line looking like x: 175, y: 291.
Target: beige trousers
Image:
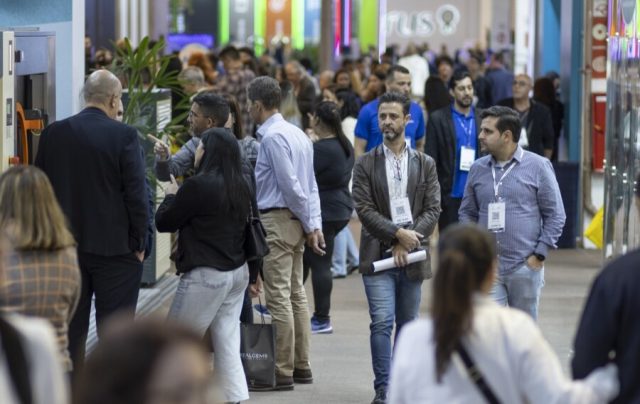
x: 284, y: 290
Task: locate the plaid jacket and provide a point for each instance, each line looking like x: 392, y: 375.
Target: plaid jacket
x: 43, y: 284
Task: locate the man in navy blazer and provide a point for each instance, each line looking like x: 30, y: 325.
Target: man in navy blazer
x: 97, y: 172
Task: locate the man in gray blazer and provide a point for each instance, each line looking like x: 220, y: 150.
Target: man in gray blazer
x: 397, y: 198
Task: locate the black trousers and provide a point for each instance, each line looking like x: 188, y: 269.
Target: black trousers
x: 449, y: 214
x: 320, y: 267
x: 115, y: 281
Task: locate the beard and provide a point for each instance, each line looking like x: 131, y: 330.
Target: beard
x: 465, y: 102
x: 392, y: 135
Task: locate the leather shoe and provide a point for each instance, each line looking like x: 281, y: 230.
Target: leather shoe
x: 302, y: 376
x: 284, y: 383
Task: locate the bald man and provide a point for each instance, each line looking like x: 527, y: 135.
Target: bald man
x: 535, y: 118
x: 98, y: 175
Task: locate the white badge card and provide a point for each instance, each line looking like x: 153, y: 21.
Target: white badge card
x: 497, y: 217
x: 401, y: 211
x: 467, y: 157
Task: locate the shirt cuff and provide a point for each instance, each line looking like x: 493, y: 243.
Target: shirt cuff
x: 541, y: 249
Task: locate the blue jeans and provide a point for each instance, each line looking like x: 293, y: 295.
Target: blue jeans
x: 207, y: 298
x: 520, y: 289
x: 345, y: 252
x: 391, y: 296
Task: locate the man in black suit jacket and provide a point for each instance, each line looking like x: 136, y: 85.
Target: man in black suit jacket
x: 97, y: 172
x: 452, y: 141
x: 535, y: 117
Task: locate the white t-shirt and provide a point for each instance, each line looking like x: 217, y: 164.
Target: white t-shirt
x: 49, y: 386
x: 510, y: 351
x: 419, y: 69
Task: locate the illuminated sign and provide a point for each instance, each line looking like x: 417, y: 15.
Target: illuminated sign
x: 423, y: 23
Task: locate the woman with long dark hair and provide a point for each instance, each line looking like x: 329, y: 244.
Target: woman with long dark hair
x: 470, y: 348
x: 210, y: 210
x: 333, y: 159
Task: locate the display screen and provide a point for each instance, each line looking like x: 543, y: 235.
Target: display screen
x: 175, y: 42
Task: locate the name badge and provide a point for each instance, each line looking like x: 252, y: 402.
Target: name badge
x: 467, y: 157
x: 497, y: 217
x: 401, y: 211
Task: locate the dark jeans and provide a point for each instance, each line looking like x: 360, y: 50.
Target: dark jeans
x: 115, y: 281
x: 449, y: 214
x: 391, y: 297
x: 320, y: 267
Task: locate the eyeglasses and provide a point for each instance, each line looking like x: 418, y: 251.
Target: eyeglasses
x: 521, y: 83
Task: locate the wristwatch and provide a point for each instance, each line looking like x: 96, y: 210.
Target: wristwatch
x: 540, y: 257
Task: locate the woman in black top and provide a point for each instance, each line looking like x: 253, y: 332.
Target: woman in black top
x: 333, y: 160
x: 210, y: 210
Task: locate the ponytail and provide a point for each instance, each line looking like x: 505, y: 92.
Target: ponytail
x: 453, y: 287
x: 465, y: 258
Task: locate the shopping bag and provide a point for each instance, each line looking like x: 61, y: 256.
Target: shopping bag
x: 257, y: 350
x: 595, y: 230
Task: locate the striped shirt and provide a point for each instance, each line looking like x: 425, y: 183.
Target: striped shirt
x: 43, y: 284
x: 534, y: 210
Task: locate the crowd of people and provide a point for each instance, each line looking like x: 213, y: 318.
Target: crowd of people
x: 407, y: 145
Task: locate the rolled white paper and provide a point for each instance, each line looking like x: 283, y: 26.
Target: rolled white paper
x: 388, y: 263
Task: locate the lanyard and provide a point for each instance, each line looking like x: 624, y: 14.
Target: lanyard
x: 496, y: 186
x: 398, y: 168
x: 466, y: 128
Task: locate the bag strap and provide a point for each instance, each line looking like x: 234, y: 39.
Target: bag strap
x: 16, y: 361
x: 476, y: 376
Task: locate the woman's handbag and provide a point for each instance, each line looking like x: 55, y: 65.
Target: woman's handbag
x: 255, y: 239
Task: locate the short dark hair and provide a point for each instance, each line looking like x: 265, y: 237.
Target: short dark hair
x: 214, y: 106
x: 266, y: 90
x: 396, y: 68
x: 508, y: 119
x: 459, y: 75
x: 444, y: 59
x: 392, y: 96
x: 229, y: 51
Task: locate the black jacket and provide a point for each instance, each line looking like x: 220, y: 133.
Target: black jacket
x: 441, y: 146
x: 610, y: 323
x: 97, y: 172
x: 208, y: 237
x: 538, y: 124
x: 333, y: 172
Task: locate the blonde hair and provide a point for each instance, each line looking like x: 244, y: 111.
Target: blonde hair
x: 29, y: 211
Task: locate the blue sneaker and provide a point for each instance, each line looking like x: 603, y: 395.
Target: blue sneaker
x: 262, y: 310
x: 321, y: 327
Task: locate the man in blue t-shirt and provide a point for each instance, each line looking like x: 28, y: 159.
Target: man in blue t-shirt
x: 453, y: 144
x: 368, y: 134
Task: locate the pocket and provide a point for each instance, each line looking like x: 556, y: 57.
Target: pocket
x: 532, y: 269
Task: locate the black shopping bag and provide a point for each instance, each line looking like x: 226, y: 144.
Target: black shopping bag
x: 257, y: 350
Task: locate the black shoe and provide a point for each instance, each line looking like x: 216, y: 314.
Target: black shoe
x: 284, y: 383
x: 381, y: 397
x: 302, y: 376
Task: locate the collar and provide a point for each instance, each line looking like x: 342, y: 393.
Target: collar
x: 517, y: 156
x: 262, y: 129
x: 472, y: 113
x: 388, y: 153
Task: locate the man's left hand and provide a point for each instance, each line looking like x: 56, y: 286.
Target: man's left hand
x: 400, y: 256
x: 534, y: 263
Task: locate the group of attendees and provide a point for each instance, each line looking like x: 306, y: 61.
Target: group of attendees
x: 284, y: 148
